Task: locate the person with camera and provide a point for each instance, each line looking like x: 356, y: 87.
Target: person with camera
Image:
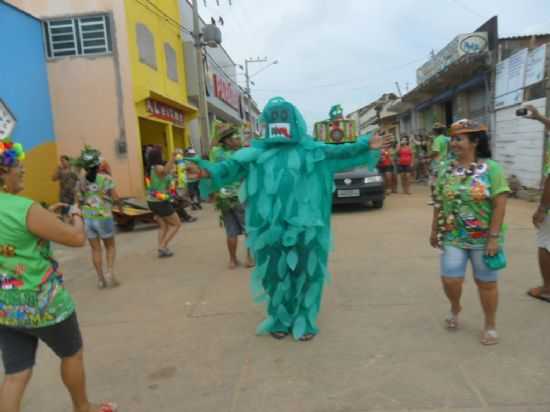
x: 541, y: 217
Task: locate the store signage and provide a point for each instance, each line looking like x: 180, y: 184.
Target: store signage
x: 510, y: 99
x: 7, y: 121
x: 165, y: 112
x: 226, y: 92
x: 536, y: 62
x: 464, y: 44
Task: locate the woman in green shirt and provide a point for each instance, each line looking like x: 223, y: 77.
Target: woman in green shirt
x: 470, y: 203
x: 34, y: 304
x: 159, y: 199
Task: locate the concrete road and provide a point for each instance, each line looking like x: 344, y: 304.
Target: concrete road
x: 178, y: 335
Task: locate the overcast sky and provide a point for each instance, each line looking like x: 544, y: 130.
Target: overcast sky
x: 353, y: 51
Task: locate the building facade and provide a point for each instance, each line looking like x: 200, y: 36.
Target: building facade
x: 25, y: 94
x: 117, y: 80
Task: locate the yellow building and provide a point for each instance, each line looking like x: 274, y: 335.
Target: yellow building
x: 158, y: 73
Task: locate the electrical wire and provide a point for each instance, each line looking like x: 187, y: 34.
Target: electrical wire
x: 467, y: 8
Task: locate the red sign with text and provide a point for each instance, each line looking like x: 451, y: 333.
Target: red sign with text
x: 225, y: 91
x: 165, y: 112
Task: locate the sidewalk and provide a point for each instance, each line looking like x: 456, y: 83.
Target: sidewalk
x: 178, y: 335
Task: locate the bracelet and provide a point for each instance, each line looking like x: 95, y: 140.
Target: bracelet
x: 494, y: 235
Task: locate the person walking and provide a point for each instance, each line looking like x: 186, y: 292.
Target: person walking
x: 67, y: 178
x: 193, y: 182
x: 439, y: 152
x: 541, y: 218
x: 158, y: 199
x: 96, y: 195
x: 227, y: 199
x: 470, y: 195
x: 405, y: 162
x: 34, y: 304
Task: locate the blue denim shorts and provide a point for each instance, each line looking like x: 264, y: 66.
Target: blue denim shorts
x: 454, y: 261
x: 100, y: 228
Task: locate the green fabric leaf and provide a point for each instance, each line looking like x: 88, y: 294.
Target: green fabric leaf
x: 300, y: 282
x: 277, y: 296
x: 265, y: 326
x: 286, y: 283
x: 243, y: 195
x: 312, y: 295
x: 265, y: 206
x: 266, y: 155
x: 252, y: 181
x: 274, y: 235
x: 299, y: 327
x: 311, y: 232
x: 312, y: 262
x: 290, y: 207
x: 292, y: 259
x: 276, y: 210
x: 294, y: 161
x: 290, y: 237
x: 312, y: 314
x: 269, y: 180
x: 283, y: 316
x: 281, y: 266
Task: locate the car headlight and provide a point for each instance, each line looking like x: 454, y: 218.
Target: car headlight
x: 373, y: 179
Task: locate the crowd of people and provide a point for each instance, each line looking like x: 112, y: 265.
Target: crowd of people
x: 469, y: 197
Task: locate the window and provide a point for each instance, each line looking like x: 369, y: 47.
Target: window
x: 78, y: 36
x: 146, y: 46
x: 171, y: 62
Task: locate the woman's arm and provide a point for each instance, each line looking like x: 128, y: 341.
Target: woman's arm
x: 165, y: 170
x: 499, y: 210
x: 46, y: 225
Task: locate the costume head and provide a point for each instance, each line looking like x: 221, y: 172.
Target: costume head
x: 89, y: 160
x: 439, y: 128
x: 336, y: 112
x: 283, y: 122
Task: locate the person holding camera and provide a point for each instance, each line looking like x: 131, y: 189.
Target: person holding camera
x: 541, y: 218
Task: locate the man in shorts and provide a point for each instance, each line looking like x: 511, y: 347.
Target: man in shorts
x: 227, y: 200
x: 541, y: 218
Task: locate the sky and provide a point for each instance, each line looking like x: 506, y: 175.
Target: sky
x: 350, y: 52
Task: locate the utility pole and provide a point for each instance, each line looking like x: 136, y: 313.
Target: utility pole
x: 249, y: 94
x: 203, y: 106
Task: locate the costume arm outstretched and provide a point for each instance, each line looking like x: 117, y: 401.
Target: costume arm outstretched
x: 227, y: 172
x: 347, y: 156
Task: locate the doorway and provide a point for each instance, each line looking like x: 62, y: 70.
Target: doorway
x: 449, y: 113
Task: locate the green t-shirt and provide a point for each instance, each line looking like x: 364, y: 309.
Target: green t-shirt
x: 96, y: 199
x: 466, y: 202
x: 32, y: 294
x: 231, y: 191
x: 441, y: 146
x: 159, y: 185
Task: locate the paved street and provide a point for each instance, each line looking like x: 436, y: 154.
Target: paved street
x: 179, y: 334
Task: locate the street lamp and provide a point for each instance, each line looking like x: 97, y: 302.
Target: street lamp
x: 246, y: 63
x: 210, y: 36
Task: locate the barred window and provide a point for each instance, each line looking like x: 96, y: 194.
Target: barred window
x: 78, y: 36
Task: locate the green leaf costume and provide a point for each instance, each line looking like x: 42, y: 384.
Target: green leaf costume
x: 288, y: 187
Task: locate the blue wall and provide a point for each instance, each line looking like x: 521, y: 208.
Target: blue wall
x: 24, y: 78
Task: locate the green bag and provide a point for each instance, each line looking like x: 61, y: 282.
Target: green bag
x: 496, y: 262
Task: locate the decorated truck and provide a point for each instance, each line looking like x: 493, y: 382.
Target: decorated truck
x: 358, y: 186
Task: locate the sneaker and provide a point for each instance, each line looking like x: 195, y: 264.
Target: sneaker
x: 164, y: 253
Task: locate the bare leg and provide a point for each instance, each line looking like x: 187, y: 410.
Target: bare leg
x: 232, y: 243
x: 453, y: 291
x: 162, y: 231
x: 488, y: 295
x: 249, y: 259
x: 173, y: 225
x: 394, y: 183
x: 12, y: 390
x: 387, y: 182
x: 110, y: 252
x: 407, y: 183
x: 544, y: 264
x: 97, y: 258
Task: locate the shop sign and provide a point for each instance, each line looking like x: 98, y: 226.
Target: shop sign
x: 536, y: 62
x: 510, y: 99
x: 165, y: 112
x: 226, y: 92
x: 7, y: 121
x: 464, y: 44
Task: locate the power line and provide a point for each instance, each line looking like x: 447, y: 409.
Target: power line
x: 467, y: 8
x: 160, y: 13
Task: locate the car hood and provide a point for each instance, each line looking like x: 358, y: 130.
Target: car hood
x: 357, y: 173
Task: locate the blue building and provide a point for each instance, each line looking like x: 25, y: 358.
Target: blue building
x: 24, y: 90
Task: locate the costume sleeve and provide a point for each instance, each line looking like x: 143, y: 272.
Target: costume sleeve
x: 347, y: 156
x: 226, y: 172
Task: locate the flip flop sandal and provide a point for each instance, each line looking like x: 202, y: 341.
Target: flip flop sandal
x: 307, y: 337
x: 101, y: 284
x: 537, y: 294
x: 279, y: 335
x: 108, y: 407
x: 111, y: 281
x: 451, y: 321
x: 489, y: 337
